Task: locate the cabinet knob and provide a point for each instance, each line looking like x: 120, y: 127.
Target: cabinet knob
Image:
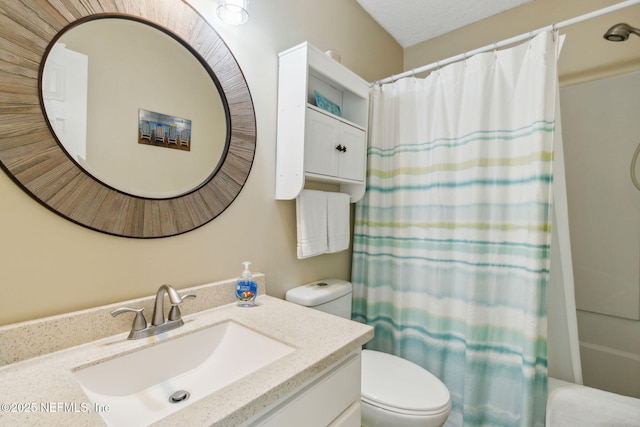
x: 341, y: 148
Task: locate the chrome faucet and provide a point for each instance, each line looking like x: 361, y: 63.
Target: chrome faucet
x: 140, y: 329
x: 158, y: 307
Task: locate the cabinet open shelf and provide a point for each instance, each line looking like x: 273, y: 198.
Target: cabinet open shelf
x: 339, y: 118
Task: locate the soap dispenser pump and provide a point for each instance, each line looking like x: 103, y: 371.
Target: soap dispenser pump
x: 246, y: 289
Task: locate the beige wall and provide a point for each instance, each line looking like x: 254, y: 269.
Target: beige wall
x: 585, y: 55
x: 50, y: 265
x: 610, y: 348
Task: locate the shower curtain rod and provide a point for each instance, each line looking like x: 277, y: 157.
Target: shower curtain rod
x: 510, y: 41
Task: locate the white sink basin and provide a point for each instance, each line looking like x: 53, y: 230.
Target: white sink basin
x: 137, y: 387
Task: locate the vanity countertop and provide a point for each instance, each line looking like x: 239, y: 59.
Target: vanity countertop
x: 43, y: 390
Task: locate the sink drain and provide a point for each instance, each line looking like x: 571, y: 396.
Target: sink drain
x: 179, y: 396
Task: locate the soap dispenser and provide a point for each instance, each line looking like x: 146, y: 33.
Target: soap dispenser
x: 246, y: 289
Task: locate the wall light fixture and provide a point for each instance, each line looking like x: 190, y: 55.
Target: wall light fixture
x: 233, y: 12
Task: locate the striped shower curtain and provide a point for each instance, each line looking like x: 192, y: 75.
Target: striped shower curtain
x: 451, y: 244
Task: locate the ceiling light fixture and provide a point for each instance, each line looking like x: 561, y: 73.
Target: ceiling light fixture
x: 233, y: 12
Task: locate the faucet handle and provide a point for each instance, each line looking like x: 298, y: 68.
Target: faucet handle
x: 174, y: 313
x: 139, y: 322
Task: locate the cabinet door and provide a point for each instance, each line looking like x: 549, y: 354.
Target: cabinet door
x: 351, y: 160
x: 321, y: 140
x: 333, y: 400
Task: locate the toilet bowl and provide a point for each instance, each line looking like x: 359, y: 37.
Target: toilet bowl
x: 395, y: 391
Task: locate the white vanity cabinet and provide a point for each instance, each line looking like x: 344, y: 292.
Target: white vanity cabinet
x: 323, y: 111
x: 332, y: 399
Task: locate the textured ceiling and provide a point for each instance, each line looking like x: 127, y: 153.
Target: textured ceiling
x: 414, y: 21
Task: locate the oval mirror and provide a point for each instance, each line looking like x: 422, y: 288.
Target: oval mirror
x: 105, y: 200
x: 117, y: 96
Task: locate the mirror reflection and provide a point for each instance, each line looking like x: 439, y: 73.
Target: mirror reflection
x: 134, y: 108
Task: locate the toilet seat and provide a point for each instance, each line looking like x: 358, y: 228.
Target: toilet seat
x: 398, y: 385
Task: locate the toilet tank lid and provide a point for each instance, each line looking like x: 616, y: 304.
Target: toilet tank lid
x: 319, y: 292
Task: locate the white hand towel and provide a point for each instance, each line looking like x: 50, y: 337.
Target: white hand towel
x: 338, y: 229
x: 311, y: 219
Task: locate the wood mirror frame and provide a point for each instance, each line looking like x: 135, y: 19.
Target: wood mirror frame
x: 32, y: 157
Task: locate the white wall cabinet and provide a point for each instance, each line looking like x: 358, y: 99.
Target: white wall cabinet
x: 316, y: 142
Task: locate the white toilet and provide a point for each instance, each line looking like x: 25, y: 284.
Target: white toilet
x: 395, y: 391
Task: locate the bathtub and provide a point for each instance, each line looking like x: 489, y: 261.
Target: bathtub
x: 570, y: 405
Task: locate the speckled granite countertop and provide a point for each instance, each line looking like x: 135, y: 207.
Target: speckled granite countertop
x: 319, y: 339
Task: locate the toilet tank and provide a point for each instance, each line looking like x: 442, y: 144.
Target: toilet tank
x: 331, y: 296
